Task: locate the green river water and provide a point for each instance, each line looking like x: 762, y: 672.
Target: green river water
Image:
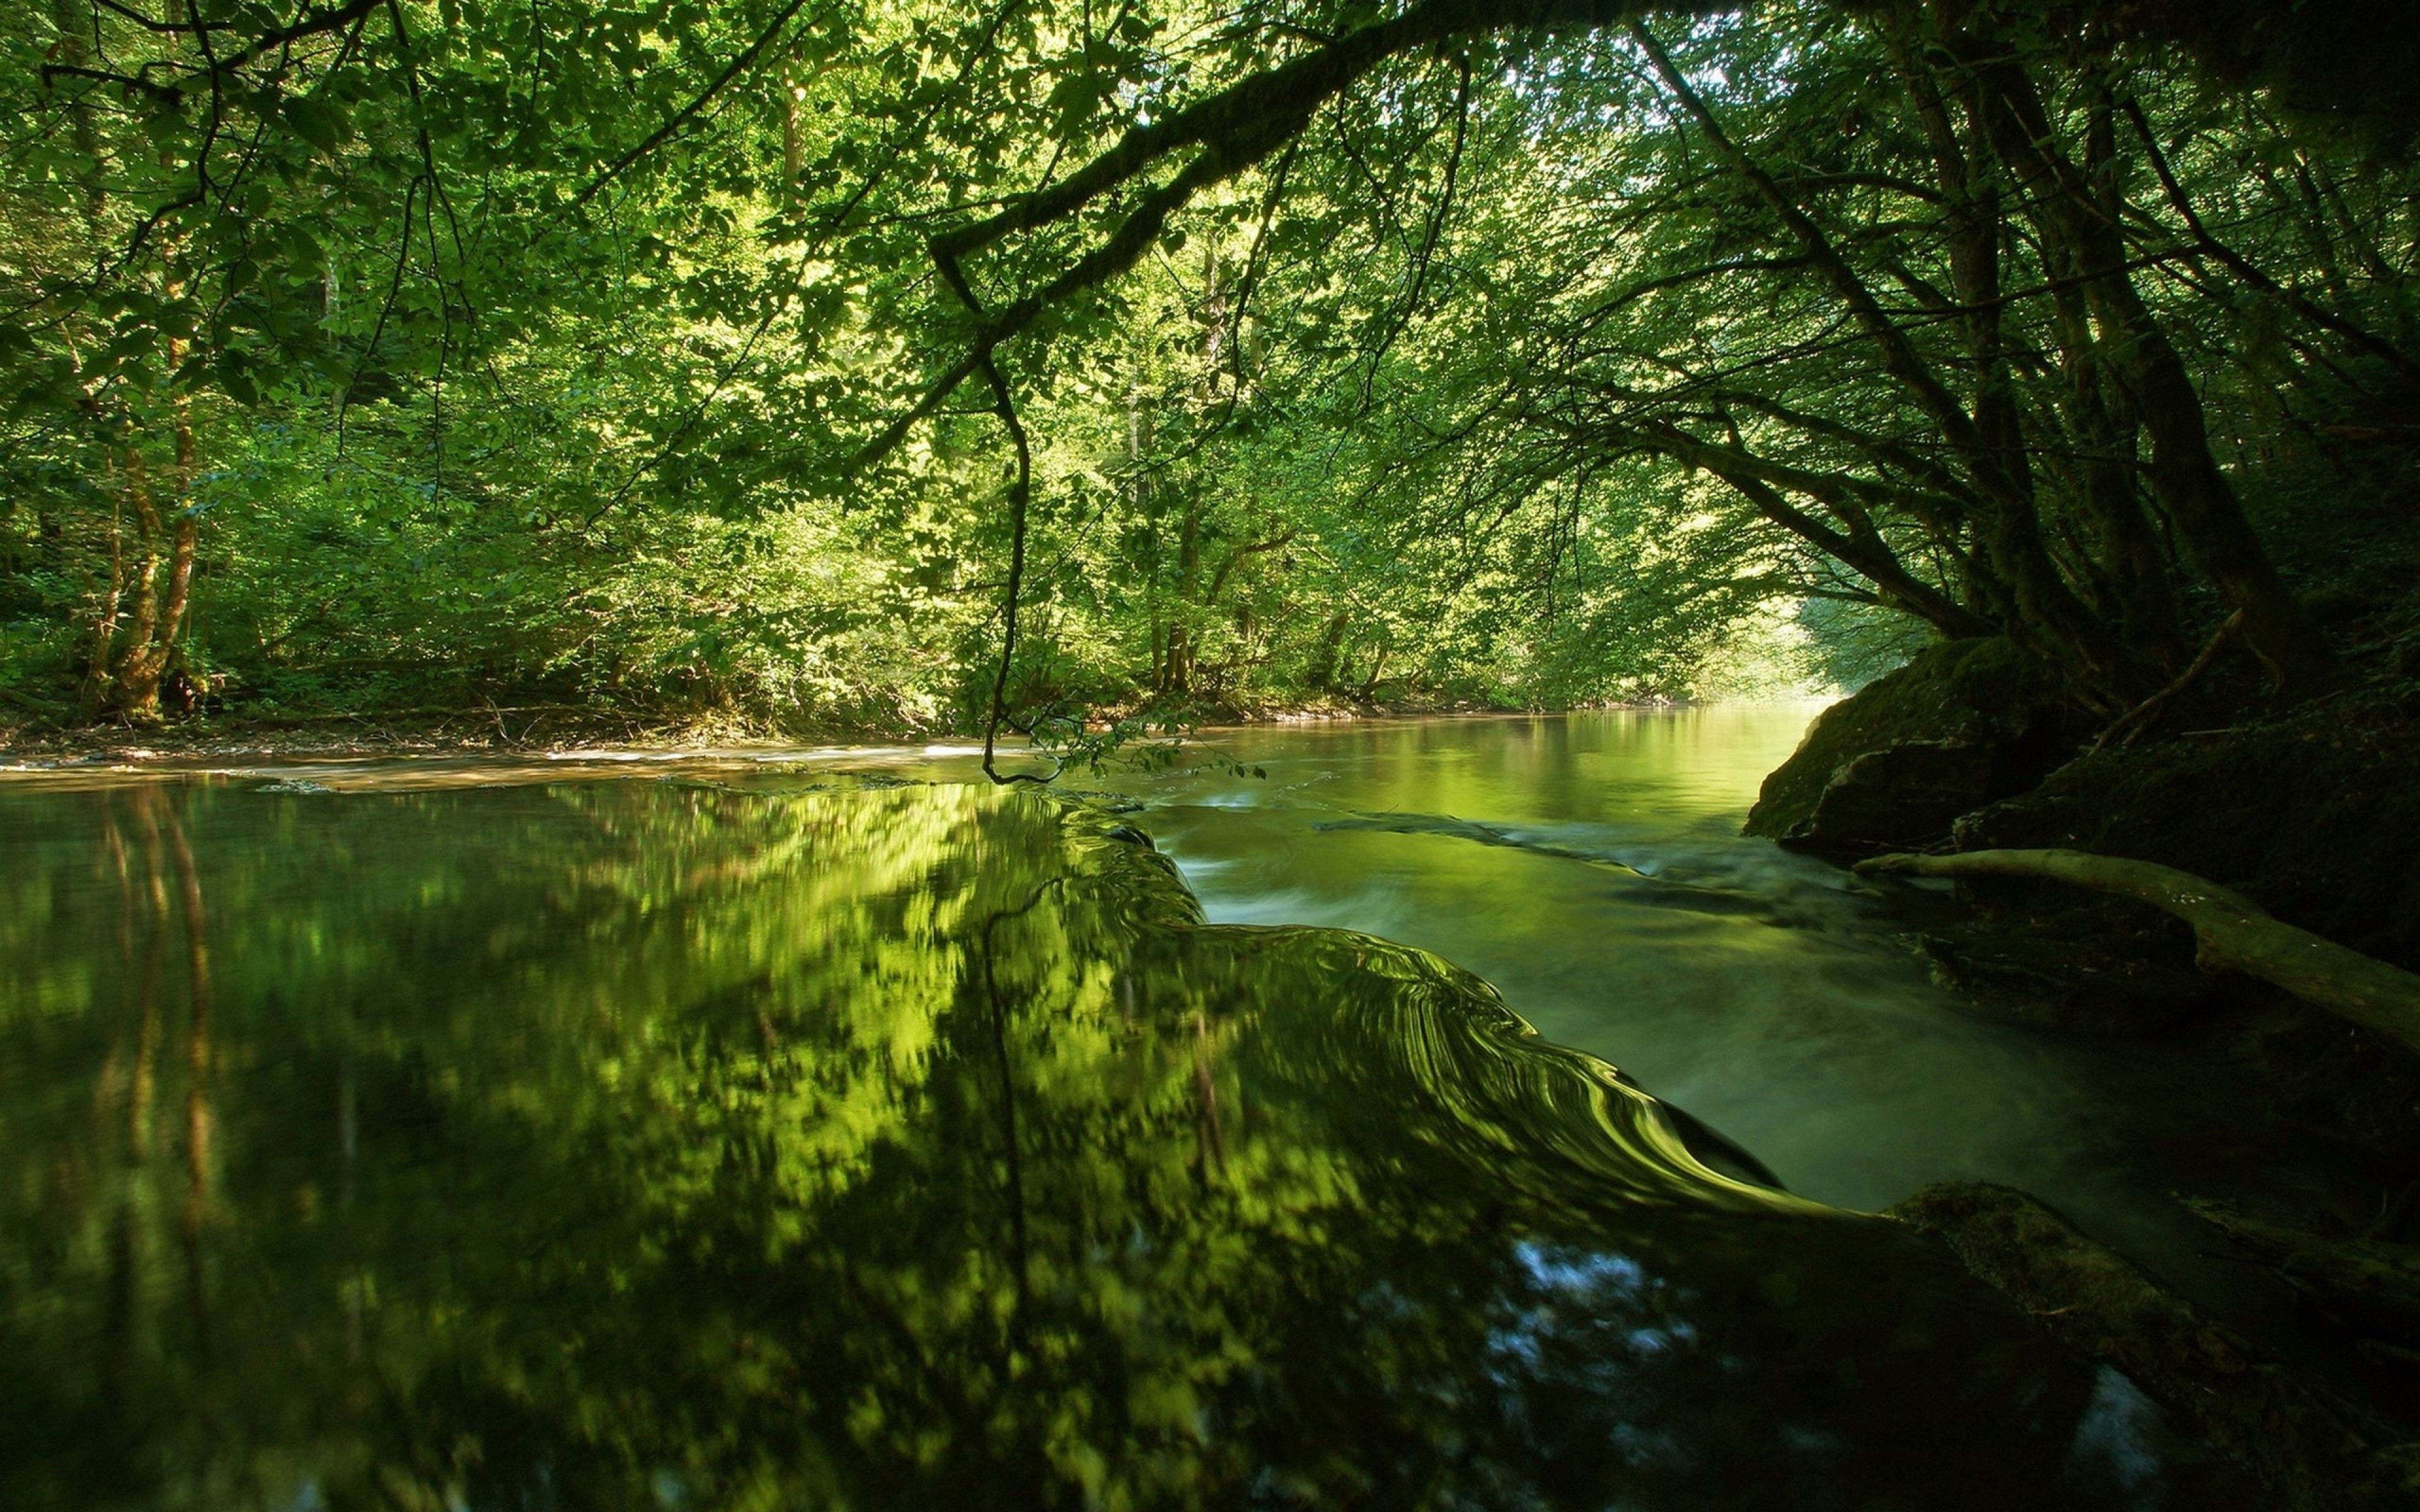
x: 746, y: 1129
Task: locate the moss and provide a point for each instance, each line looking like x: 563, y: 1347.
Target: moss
x: 1984, y: 694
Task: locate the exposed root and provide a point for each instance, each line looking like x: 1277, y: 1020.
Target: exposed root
x: 2231, y: 932
x: 2133, y: 719
x: 2311, y: 1449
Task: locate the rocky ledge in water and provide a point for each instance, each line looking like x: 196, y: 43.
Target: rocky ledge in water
x: 1964, y: 723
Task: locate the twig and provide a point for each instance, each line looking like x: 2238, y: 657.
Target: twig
x: 2218, y: 639
x: 1020, y: 493
x: 689, y: 112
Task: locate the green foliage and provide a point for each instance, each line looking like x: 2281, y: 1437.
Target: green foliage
x: 427, y: 354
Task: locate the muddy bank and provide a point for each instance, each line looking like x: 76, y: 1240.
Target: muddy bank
x: 397, y: 733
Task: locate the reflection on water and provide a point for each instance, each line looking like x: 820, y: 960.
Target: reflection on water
x: 654, y: 1143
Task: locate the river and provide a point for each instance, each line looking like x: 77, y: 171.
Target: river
x: 1590, y: 868
x: 746, y: 1128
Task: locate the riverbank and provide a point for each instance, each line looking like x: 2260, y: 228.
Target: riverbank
x: 2305, y: 810
x: 406, y: 733
x: 540, y: 728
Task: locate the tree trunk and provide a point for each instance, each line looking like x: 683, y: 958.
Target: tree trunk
x: 2209, y: 518
x: 2184, y: 476
x: 794, y: 150
x: 1178, y: 674
x: 159, y: 608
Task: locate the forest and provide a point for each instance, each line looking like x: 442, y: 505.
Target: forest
x: 898, y: 367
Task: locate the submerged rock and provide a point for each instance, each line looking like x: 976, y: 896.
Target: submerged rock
x: 2112, y: 987
x: 1897, y: 763
x: 2310, y: 1448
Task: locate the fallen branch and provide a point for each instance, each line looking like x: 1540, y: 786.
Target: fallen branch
x: 2231, y: 932
x: 31, y: 704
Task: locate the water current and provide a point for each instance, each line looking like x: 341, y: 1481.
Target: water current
x: 749, y: 1129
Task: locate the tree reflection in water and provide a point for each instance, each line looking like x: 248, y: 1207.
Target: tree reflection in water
x: 658, y: 1144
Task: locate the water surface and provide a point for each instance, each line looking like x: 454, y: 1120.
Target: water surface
x: 700, y: 1140
x: 1590, y: 868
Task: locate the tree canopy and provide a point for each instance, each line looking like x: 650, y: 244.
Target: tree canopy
x: 897, y: 364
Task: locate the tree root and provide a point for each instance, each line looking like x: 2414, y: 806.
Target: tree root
x: 2231, y: 932
x: 2309, y: 1448
x: 2133, y: 719
x: 2369, y: 1283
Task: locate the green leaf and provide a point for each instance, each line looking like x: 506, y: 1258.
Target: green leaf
x: 321, y: 125
x: 235, y: 381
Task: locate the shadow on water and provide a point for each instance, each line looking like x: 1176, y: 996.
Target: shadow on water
x: 662, y: 1143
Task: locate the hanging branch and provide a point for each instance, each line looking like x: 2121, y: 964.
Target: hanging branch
x: 214, y: 69
x: 394, y: 288
x: 1226, y: 133
x: 1020, y: 493
x: 2243, y: 267
x: 1251, y: 281
x: 1426, y: 253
